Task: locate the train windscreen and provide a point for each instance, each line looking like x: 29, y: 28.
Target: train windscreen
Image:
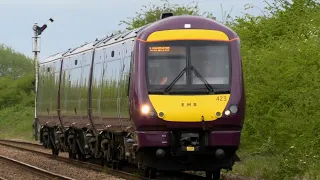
x: 188, y: 66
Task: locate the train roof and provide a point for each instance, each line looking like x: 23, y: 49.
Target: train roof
x: 122, y: 36
x: 54, y: 56
x: 108, y: 40
x: 82, y: 48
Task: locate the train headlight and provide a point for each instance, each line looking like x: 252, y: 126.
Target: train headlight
x: 145, y: 109
x: 233, y: 109
x: 227, y: 112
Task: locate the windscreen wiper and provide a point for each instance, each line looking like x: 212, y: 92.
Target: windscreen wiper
x: 175, y: 80
x: 209, y: 87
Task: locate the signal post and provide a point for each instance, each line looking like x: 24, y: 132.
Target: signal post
x: 37, y: 32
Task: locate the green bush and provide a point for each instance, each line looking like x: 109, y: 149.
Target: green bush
x: 281, y: 68
x: 19, y: 91
x: 16, y: 94
x: 16, y: 77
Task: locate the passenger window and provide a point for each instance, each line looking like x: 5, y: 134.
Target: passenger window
x: 131, y: 63
x: 130, y: 71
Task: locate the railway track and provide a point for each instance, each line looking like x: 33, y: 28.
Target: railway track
x: 21, y: 142
x: 121, y: 174
x: 127, y: 174
x: 34, y: 169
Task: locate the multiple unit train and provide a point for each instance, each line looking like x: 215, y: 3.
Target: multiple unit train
x: 166, y: 96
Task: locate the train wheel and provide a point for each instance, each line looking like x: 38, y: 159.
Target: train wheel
x: 150, y: 173
x: 114, y: 165
x: 103, y: 158
x: 55, y: 152
x: 71, y: 154
x: 119, y: 165
x: 213, y: 175
x: 102, y: 161
x: 81, y: 157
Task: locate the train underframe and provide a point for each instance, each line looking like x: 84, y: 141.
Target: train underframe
x: 183, y: 151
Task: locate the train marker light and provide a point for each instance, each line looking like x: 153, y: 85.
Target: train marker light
x: 233, y: 109
x: 218, y: 114
x: 227, y: 112
x: 161, y: 114
x: 187, y: 26
x: 151, y: 113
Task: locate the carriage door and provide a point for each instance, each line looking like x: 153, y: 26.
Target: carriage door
x: 124, y: 79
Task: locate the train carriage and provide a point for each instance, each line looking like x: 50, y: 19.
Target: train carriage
x: 166, y: 96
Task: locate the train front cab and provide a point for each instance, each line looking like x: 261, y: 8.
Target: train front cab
x: 192, y: 116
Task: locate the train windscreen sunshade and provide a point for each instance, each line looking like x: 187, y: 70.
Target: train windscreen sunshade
x: 188, y: 66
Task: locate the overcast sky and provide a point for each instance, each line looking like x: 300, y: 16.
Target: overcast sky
x: 80, y: 21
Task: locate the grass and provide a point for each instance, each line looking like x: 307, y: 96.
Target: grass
x: 16, y: 122
x: 269, y: 167
x: 256, y: 166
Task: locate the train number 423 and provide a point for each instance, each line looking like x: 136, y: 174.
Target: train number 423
x: 221, y: 98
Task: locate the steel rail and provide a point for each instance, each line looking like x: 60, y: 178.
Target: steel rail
x: 121, y: 174
x: 36, y: 170
x: 110, y: 171
x: 21, y: 142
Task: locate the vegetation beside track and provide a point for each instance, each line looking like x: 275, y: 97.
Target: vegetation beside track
x: 16, y: 94
x: 281, y: 65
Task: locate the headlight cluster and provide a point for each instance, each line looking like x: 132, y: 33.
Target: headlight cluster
x: 145, y: 110
x: 233, y: 109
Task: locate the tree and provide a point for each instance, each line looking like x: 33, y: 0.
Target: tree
x: 152, y: 13
x: 13, y: 64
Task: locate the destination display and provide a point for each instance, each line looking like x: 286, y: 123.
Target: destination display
x: 167, y: 51
x: 159, y: 49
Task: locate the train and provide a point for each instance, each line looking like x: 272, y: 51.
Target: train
x: 167, y: 96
